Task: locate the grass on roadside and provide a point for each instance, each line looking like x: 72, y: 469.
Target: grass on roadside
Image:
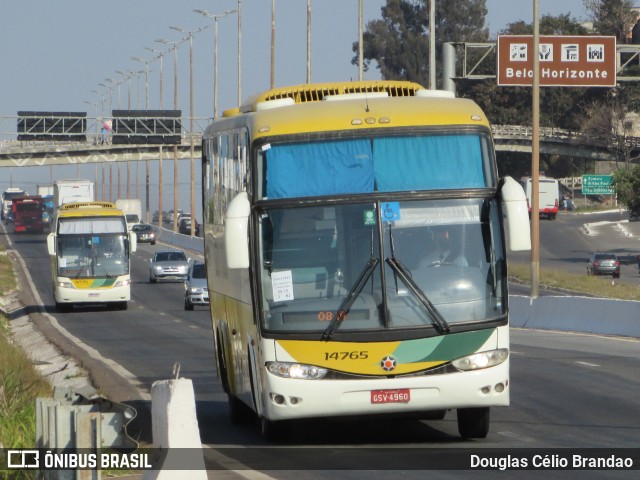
x: 20, y: 384
x: 7, y: 278
x: 599, y: 286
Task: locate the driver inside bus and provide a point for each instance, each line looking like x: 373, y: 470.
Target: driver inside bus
x: 445, y: 249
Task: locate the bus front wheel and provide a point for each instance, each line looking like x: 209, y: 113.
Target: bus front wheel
x: 63, y: 307
x: 239, y: 413
x: 473, y: 422
x: 275, y: 432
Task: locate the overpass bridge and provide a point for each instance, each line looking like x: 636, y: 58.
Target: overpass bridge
x: 507, y: 138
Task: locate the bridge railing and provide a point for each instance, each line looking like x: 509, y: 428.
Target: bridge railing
x: 521, y: 132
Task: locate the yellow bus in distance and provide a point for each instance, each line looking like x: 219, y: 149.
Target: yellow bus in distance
x: 90, y: 249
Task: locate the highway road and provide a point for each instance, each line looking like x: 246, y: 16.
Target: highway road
x: 568, y: 390
x: 566, y: 244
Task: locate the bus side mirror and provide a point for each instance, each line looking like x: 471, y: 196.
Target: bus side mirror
x: 514, y: 204
x: 133, y: 242
x: 236, y: 238
x: 51, y: 243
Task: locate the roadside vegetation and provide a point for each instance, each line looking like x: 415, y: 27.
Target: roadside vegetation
x: 579, y: 284
x: 20, y: 384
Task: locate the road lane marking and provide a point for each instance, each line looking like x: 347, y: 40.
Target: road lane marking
x: 92, y: 352
x: 587, y: 364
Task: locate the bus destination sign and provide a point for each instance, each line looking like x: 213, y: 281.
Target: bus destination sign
x: 565, y: 61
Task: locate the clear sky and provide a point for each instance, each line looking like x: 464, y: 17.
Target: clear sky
x: 55, y: 53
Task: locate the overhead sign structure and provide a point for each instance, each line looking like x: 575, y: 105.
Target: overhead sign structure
x: 565, y: 61
x: 598, y: 185
x: 146, y: 127
x: 60, y: 126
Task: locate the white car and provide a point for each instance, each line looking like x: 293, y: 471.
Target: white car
x: 195, y: 286
x: 168, y: 264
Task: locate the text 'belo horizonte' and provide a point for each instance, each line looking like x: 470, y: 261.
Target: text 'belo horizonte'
x: 556, y: 73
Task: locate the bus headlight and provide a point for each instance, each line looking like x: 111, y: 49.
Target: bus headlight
x: 481, y: 360
x: 122, y: 283
x: 296, y: 370
x: 63, y: 284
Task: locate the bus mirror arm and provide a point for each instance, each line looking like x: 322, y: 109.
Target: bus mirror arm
x: 514, y: 205
x: 236, y: 238
x: 51, y: 243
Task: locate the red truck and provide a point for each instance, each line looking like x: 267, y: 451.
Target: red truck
x: 27, y: 214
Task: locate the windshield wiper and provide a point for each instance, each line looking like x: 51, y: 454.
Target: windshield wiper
x: 399, y: 269
x: 350, y: 298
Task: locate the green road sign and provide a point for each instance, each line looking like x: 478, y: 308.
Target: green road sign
x: 598, y: 185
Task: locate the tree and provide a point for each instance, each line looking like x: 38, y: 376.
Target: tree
x: 627, y: 182
x: 612, y: 17
x: 399, y: 42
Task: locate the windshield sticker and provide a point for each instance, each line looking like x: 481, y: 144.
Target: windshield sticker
x: 369, y: 218
x: 390, y: 211
x: 282, y: 285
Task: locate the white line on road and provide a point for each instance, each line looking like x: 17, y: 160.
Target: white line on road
x: 587, y: 364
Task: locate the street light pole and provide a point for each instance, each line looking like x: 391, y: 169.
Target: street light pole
x: 239, y: 52
x: 174, y: 46
x: 308, y: 41
x: 160, y: 55
x: 146, y: 183
x: 192, y: 146
x: 146, y: 81
x: 215, y: 52
x: 432, y: 44
x: 360, y: 38
x: 273, y: 41
x: 535, y: 156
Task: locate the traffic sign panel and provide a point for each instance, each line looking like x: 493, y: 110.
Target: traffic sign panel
x: 598, y: 185
x: 565, y: 60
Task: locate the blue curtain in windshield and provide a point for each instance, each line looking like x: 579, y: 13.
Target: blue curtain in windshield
x: 429, y: 162
x: 319, y: 168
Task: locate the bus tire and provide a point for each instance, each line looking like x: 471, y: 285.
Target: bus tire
x: 473, y: 422
x: 123, y: 305
x: 239, y: 413
x: 63, y: 307
x: 275, y: 432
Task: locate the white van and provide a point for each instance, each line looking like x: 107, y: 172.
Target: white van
x: 548, y: 198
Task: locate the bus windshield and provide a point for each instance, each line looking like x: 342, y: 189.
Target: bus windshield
x: 92, y: 255
x: 382, y: 265
x: 92, y: 247
x: 448, y: 160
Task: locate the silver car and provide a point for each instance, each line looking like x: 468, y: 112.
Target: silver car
x: 168, y: 264
x: 195, y: 286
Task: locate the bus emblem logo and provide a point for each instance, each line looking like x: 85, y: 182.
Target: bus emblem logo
x: 388, y: 363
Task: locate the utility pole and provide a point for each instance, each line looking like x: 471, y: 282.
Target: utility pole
x: 535, y: 157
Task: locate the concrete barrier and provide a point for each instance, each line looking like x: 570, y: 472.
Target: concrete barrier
x: 176, y: 432
x: 577, y: 314
x: 185, y: 242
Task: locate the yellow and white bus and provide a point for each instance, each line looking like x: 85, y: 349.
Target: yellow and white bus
x: 355, y: 246
x: 90, y: 249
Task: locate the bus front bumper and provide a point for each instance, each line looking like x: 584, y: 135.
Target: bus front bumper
x: 65, y: 292
x: 286, y: 398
